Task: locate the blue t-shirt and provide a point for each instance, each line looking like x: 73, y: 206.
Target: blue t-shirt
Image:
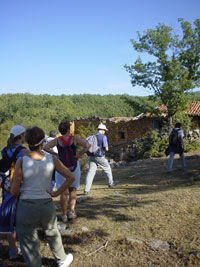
x: 10, y: 152
x: 102, y: 143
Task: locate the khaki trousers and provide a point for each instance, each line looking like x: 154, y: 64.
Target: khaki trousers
x: 32, y: 215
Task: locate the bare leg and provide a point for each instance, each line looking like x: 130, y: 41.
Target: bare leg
x: 72, y: 198
x: 63, y: 202
x: 12, y: 241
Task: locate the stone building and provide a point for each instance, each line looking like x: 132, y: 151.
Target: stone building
x: 124, y: 129
x: 121, y: 129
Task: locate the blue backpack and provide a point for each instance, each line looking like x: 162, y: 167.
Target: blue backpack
x: 6, y: 161
x: 7, y: 214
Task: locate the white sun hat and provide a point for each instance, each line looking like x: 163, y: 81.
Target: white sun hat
x: 17, y: 130
x: 102, y: 127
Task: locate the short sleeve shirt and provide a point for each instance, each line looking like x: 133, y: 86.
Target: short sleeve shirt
x: 180, y: 132
x: 105, y: 141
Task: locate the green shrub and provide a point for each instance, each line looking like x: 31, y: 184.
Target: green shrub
x: 191, y: 145
x: 156, y: 143
x: 153, y: 146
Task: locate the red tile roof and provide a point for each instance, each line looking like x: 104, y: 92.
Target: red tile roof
x: 194, y: 109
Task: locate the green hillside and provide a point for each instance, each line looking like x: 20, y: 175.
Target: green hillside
x: 46, y: 111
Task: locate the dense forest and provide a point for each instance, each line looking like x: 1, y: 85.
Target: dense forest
x: 46, y: 111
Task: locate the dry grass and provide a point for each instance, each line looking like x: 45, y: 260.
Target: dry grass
x: 148, y: 204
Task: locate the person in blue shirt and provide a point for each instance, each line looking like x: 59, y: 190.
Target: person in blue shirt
x: 16, y: 139
x: 99, y: 160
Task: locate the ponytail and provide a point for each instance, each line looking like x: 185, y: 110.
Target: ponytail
x: 11, y: 140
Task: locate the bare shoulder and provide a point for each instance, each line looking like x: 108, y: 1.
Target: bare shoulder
x: 18, y: 162
x: 79, y: 141
x: 26, y: 152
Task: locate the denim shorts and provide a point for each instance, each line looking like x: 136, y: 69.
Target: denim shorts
x: 77, y: 174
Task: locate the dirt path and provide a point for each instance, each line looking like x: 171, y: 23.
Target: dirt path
x: 147, y: 205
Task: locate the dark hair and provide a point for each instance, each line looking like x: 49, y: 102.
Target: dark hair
x: 63, y: 127
x: 34, y: 136
x: 178, y: 125
x: 12, y: 139
x: 52, y: 133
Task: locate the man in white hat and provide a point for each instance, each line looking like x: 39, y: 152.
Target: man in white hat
x: 99, y: 160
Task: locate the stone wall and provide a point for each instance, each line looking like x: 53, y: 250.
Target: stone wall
x: 120, y: 130
x: 196, y: 122
x: 128, y: 152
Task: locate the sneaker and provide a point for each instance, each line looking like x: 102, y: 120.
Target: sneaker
x: 113, y: 184
x: 13, y: 253
x: 67, y: 261
x: 71, y: 215
x: 64, y: 218
x: 86, y: 192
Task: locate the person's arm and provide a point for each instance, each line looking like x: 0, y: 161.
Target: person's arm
x: 17, y: 178
x: 83, y: 143
x: 181, y: 137
x: 49, y: 145
x: 64, y: 171
x: 105, y: 143
x: 106, y: 148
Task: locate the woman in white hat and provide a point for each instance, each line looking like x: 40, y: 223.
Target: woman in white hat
x: 14, y: 144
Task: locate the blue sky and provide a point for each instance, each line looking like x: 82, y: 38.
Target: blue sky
x: 75, y: 47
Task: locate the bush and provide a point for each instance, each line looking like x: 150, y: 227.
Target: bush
x: 191, y: 145
x: 153, y: 146
x: 156, y: 143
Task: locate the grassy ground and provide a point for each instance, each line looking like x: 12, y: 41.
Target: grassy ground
x: 148, y: 204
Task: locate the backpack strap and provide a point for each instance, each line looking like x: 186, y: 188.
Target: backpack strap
x: 17, y: 150
x: 13, y: 158
x: 99, y: 139
x: 66, y: 143
x: 4, y: 153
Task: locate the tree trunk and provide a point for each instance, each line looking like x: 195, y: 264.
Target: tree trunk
x: 170, y: 123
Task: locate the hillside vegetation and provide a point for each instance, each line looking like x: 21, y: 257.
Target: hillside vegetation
x: 47, y: 111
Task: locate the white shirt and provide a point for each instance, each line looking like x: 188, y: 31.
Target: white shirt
x: 54, y: 149
x: 180, y: 132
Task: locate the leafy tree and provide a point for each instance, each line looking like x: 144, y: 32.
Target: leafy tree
x: 84, y: 132
x: 174, y: 67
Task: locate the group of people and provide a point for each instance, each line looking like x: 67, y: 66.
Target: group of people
x: 35, y: 169
x: 38, y: 168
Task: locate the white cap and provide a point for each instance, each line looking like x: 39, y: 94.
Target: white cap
x: 102, y: 127
x: 17, y: 130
